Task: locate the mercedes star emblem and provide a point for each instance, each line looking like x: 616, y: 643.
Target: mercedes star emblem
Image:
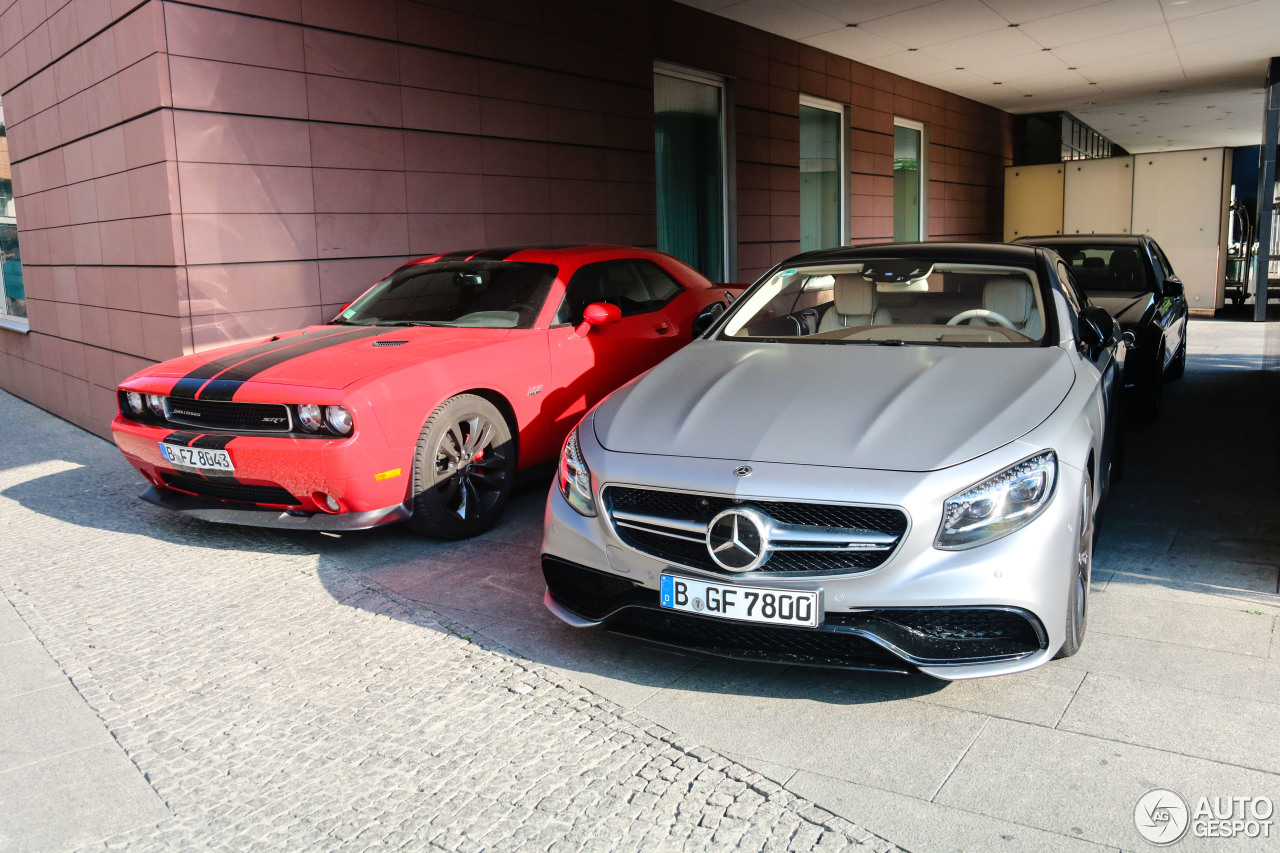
x: 742, y: 471
x: 737, y: 540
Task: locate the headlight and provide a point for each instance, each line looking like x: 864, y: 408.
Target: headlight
x: 311, y: 418
x: 156, y: 404
x: 574, y: 477
x: 1000, y: 504
x: 133, y: 400
x: 338, y: 419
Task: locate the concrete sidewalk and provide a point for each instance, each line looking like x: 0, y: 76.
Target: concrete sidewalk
x: 311, y: 691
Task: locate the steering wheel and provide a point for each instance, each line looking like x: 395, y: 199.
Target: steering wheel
x: 984, y: 313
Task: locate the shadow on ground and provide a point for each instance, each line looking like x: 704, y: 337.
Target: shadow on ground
x: 1197, y: 503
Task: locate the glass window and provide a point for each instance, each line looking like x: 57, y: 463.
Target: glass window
x: 822, y: 184
x: 15, y: 294
x: 471, y: 294
x: 688, y: 120
x: 634, y: 287
x: 908, y: 181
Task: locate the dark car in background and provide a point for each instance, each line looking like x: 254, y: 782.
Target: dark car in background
x: 1131, y: 277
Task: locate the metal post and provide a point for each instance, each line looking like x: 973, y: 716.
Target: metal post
x: 1266, y: 188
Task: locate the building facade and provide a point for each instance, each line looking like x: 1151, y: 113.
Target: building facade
x: 188, y: 174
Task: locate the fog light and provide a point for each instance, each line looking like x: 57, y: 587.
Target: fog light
x: 134, y: 401
x: 326, y: 502
x: 156, y: 402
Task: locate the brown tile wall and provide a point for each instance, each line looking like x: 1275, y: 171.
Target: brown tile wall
x: 193, y: 173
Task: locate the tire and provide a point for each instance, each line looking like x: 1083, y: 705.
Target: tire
x: 463, y: 469
x: 1151, y: 391
x: 1179, y: 364
x: 1077, y: 616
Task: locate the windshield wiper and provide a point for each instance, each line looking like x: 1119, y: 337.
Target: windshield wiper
x: 413, y: 323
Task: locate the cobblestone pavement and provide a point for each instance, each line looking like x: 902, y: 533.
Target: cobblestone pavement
x: 274, y: 699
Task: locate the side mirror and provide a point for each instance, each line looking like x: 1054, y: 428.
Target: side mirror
x: 598, y: 314
x: 706, y: 317
x: 1097, y: 329
x: 1173, y: 287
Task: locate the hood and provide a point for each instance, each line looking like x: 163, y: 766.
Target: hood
x: 320, y: 356
x: 899, y: 408
x: 1126, y: 308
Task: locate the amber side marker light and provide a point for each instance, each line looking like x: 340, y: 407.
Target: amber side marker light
x: 387, y: 475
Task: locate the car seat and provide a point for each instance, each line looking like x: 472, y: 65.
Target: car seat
x: 1013, y: 299
x: 854, y: 304
x: 1126, y: 270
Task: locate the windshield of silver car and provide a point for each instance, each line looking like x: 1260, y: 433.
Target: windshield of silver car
x: 895, y: 301
x: 471, y: 294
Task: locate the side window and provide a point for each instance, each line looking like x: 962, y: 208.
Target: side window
x: 1074, y: 295
x: 1162, y: 261
x: 661, y: 286
x: 615, y: 282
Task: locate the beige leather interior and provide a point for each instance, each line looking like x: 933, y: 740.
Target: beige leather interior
x: 854, y: 304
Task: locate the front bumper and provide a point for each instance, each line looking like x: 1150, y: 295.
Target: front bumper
x: 889, y: 639
x: 276, y: 476
x: 1017, y: 587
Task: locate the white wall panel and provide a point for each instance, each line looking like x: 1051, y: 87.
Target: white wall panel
x: 1177, y: 199
x: 1098, y: 196
x: 1032, y: 200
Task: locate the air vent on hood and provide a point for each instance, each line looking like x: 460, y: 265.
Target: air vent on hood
x: 389, y: 343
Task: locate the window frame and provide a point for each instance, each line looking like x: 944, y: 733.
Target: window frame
x: 923, y: 172
x: 728, y: 157
x: 842, y: 167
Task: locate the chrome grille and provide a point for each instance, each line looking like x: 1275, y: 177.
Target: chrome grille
x: 805, y: 538
x: 227, y: 415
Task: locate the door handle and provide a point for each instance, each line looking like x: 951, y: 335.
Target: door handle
x: 662, y: 328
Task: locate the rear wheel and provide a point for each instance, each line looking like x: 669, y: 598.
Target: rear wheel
x: 1078, y: 599
x: 463, y: 469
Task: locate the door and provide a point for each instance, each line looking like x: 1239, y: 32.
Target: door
x: 585, y: 368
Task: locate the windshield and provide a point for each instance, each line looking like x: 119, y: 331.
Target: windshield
x: 1108, y: 269
x: 893, y: 301
x: 471, y: 294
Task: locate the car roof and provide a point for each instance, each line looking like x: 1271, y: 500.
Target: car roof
x: 955, y: 252
x: 549, y: 253
x: 1084, y: 239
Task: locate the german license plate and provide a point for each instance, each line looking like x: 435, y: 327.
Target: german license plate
x: 744, y: 603
x: 197, y: 457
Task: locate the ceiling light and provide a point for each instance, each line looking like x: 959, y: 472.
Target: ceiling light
x: 851, y: 25
x: 1162, y: 103
x: 959, y: 67
x: 1015, y: 26
x: 1043, y: 49
x: 997, y: 83
x: 912, y: 49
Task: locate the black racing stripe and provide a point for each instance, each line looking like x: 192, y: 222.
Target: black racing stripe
x: 182, y: 437
x: 456, y: 256
x: 227, y: 383
x: 212, y: 442
x: 187, y: 387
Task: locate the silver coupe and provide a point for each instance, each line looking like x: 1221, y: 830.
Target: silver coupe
x: 888, y: 457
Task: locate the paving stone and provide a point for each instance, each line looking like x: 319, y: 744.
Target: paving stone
x: 275, y: 695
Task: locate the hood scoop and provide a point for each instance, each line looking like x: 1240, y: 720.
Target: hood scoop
x: 389, y: 343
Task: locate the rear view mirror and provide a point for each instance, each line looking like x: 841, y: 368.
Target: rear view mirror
x: 1173, y: 287
x: 468, y: 279
x: 1097, y: 329
x: 706, y: 318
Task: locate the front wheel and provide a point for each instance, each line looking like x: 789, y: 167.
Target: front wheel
x: 462, y: 470
x: 1179, y: 364
x: 1082, y: 569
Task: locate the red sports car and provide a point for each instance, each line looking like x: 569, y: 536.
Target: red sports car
x: 421, y: 400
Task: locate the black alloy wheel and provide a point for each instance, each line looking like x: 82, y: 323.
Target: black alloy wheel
x: 463, y: 469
